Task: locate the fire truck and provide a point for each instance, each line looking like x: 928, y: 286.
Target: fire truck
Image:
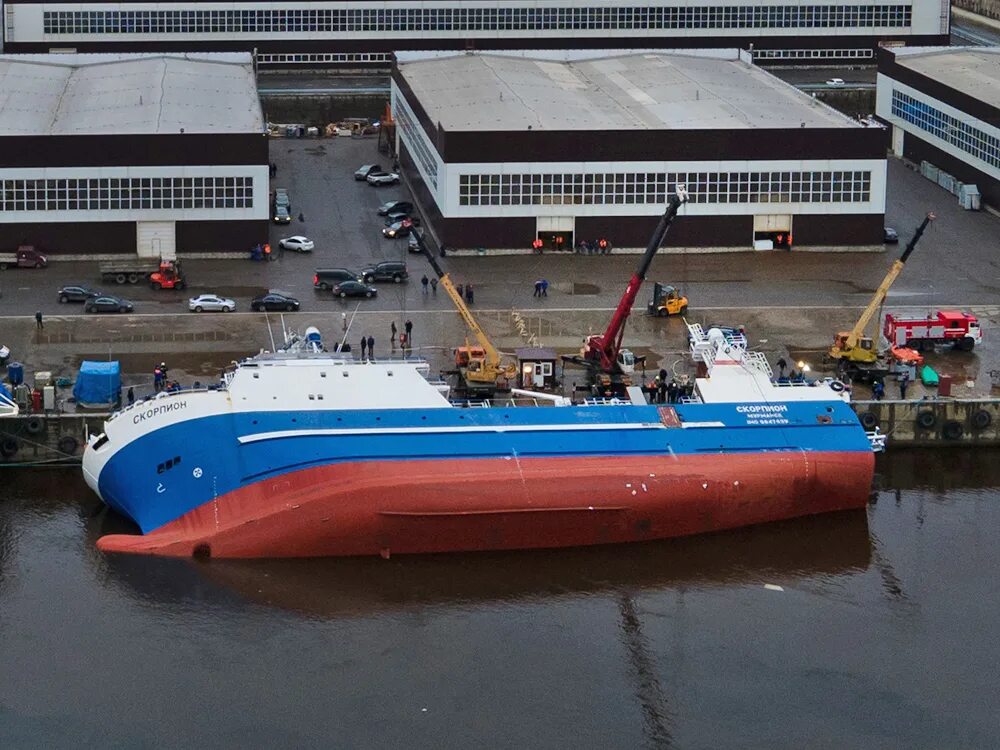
x: 942, y: 327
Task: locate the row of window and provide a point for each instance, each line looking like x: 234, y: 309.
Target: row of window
x: 126, y: 193
x: 968, y: 138
x: 414, y: 136
x: 473, y: 19
x: 652, y: 188
x: 341, y: 58
x: 813, y: 54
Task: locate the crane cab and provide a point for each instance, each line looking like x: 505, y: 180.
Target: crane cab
x: 865, y: 351
x: 667, y: 300
x: 626, y: 361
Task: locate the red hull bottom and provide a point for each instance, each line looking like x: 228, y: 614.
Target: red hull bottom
x: 492, y: 504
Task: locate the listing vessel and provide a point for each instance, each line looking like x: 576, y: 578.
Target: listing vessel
x: 303, y: 452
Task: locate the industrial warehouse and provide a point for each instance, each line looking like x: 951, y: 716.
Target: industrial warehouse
x: 944, y: 108
x: 147, y: 154
x: 506, y: 151
x: 292, y: 33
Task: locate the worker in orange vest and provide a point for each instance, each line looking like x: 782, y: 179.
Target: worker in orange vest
x: 603, y: 245
x: 781, y: 240
x: 559, y: 241
x: 789, y: 240
x: 537, y: 245
x: 267, y: 251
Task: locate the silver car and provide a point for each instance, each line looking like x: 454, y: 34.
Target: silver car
x: 210, y: 303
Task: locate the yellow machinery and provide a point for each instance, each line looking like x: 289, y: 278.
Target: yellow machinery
x: 857, y: 345
x: 666, y: 301
x: 480, y: 366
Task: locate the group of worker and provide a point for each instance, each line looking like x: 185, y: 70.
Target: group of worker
x: 664, y: 391
x: 405, y: 337
x: 594, y: 247
x: 878, y: 386
x: 261, y: 252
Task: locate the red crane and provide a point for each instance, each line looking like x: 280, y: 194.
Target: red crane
x: 601, y: 350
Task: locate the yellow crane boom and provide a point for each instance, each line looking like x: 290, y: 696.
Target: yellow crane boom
x: 856, y: 344
x: 491, y: 367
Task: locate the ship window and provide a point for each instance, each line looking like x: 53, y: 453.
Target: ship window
x: 389, y: 373
x: 345, y: 373
x: 257, y: 375
x: 159, y: 469
x: 320, y: 396
x: 312, y: 397
x: 322, y: 374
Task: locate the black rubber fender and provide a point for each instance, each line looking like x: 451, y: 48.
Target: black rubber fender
x: 952, y: 430
x: 926, y: 420
x: 868, y: 420
x: 35, y: 425
x: 9, y: 447
x: 837, y: 386
x: 982, y: 419
x: 68, y: 444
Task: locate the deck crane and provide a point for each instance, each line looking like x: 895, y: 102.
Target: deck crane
x: 602, y: 352
x: 480, y: 367
x: 858, y: 347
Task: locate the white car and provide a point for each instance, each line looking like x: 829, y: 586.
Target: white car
x: 211, y: 303
x: 298, y: 243
x: 377, y: 179
x: 835, y: 82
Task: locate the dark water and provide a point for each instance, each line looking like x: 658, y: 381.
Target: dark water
x: 884, y: 635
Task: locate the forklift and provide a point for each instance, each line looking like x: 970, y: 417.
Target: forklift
x: 666, y: 301
x: 168, y: 276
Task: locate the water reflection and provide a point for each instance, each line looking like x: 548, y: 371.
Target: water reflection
x: 832, y: 545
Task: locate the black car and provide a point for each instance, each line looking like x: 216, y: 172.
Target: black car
x: 395, y: 207
x: 387, y: 270
x: 274, y: 301
x: 78, y: 294
x: 354, y: 289
x: 327, y: 278
x: 393, y: 216
x: 398, y: 229
x: 890, y: 236
x: 108, y: 304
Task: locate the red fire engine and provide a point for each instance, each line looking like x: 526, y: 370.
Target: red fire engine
x: 943, y: 327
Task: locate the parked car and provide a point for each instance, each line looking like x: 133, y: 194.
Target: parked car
x: 387, y: 270
x: 381, y: 179
x: 211, y: 302
x: 364, y: 170
x: 412, y: 246
x: 281, y: 215
x: 78, y: 294
x: 398, y: 229
x: 298, y: 243
x: 395, y: 207
x: 392, y: 218
x: 281, y: 198
x: 108, y: 304
x: 327, y: 278
x: 835, y: 82
x: 890, y: 236
x: 354, y: 289
x: 273, y: 301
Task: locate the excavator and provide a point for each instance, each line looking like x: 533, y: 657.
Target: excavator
x: 603, y: 353
x: 856, y: 352
x: 480, y: 368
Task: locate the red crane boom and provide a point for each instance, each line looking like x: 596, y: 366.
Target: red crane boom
x: 601, y: 350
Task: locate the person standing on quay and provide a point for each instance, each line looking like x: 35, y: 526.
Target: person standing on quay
x: 408, y: 327
x: 423, y: 284
x: 38, y: 321
x: 434, y: 286
x: 364, y: 347
x: 371, y: 348
x: 392, y: 336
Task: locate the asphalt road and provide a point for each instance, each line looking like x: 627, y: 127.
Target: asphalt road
x: 956, y: 262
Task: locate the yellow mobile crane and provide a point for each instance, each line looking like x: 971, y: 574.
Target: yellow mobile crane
x: 858, y: 348
x: 479, y: 367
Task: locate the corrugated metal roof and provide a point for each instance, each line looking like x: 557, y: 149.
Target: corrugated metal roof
x: 607, y: 90
x: 76, y: 94
x: 972, y: 70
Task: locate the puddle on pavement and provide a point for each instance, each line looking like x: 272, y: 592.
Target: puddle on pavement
x: 581, y: 288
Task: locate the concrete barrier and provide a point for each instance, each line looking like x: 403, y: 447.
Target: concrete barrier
x: 938, y: 422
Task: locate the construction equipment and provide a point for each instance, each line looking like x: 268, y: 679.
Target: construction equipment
x: 857, y: 351
x: 168, y: 276
x: 666, y: 301
x: 480, y: 368
x: 603, y: 353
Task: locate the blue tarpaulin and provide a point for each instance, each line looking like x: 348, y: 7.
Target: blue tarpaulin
x: 98, y: 385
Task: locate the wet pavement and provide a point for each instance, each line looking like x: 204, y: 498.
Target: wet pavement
x: 866, y: 629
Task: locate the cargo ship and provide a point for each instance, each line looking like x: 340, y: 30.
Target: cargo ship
x: 302, y: 452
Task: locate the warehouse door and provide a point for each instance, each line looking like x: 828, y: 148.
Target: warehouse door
x: 775, y: 229
x: 156, y: 239
x: 555, y: 232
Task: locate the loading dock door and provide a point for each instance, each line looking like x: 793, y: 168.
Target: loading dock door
x: 773, y: 228
x: 555, y: 232
x: 156, y: 239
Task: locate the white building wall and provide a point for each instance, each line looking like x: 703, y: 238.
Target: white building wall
x: 25, y: 22
x: 450, y: 206
x: 260, y: 208
x: 883, y: 108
